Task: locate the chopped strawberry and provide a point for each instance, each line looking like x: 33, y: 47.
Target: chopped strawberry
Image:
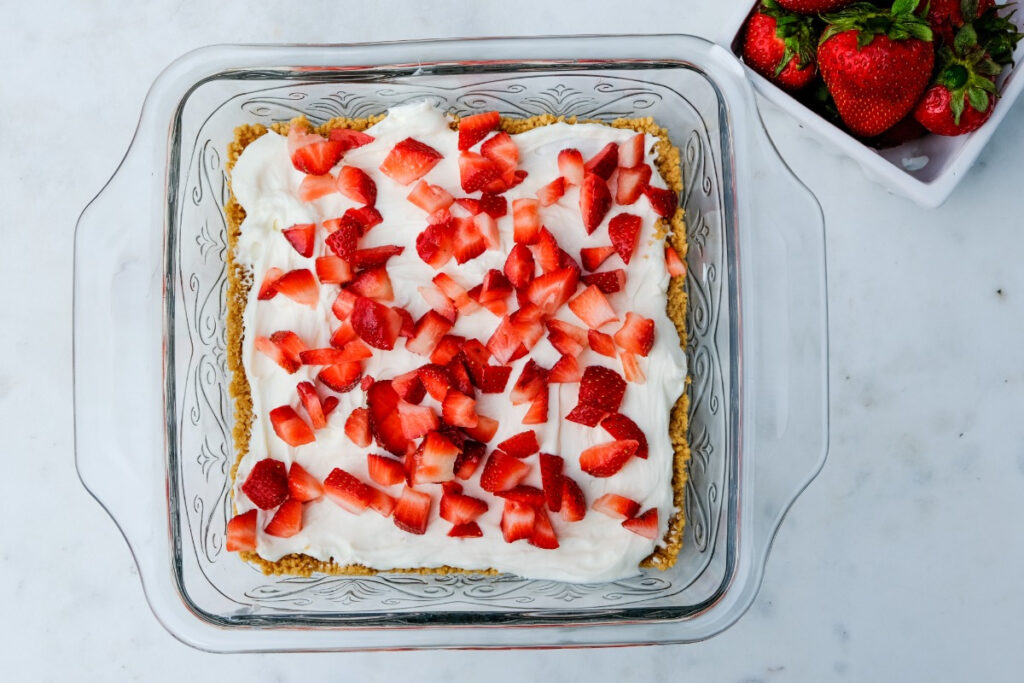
x: 347, y: 491
x: 543, y: 535
x: 311, y: 402
x: 429, y: 197
x: 416, y: 420
x: 551, y: 479
x: 301, y: 236
x: 567, y: 338
x: 476, y: 352
x: 356, y: 349
x: 645, y: 525
x: 446, y: 349
x: 343, y: 305
x: 409, y: 387
x: 616, y: 506
x: 517, y: 521
x: 595, y: 201
x: 300, y: 286
x: 502, y: 472
x: 267, y: 290
x: 365, y: 216
x: 601, y: 343
x: 439, y: 302
x: 343, y: 335
x: 381, y: 503
x: 636, y: 334
x: 609, y: 281
x: 574, y: 505
x: 289, y: 426
x: 435, y: 380
x: 357, y: 186
x: 375, y: 257
x: 314, y: 187
x: 593, y: 308
x: 357, y: 427
x: 631, y: 152
x: 538, y: 412
x: 241, y: 532
x: 604, y: 162
x: 329, y: 404
x: 624, y: 229
x: 267, y: 484
x: 311, y: 153
x: 461, y: 380
x: 366, y: 382
x: 593, y: 257
x: 521, y: 445
x: 373, y: 284
x: 329, y: 356
x: 459, y: 409
x: 673, y: 263
x: 663, y: 201
x: 489, y: 379
x: 435, y: 460
x: 435, y: 245
x: 502, y: 150
x: 461, y: 509
x: 429, y: 330
x: 586, y: 415
x: 602, y: 388
x: 623, y: 428
x: 504, y: 343
x: 476, y: 171
x: 488, y: 229
x: 409, y: 160
x: 551, y: 290
x: 498, y: 307
x: 485, y: 429
x: 470, y: 530
x: 333, y: 270
x: 519, y: 266
x: 631, y: 183
x: 531, y: 382
x: 287, y: 521
x: 526, y: 495
x: 408, y: 325
x: 474, y: 128
x: 631, y: 369
x: 456, y: 292
x: 565, y: 371
x: 344, y: 235
x: 525, y: 220
x: 343, y: 377
x: 605, y: 459
x: 349, y: 139
x: 468, y: 242
x: 570, y: 165
x: 385, y: 422
x: 495, y: 287
x: 384, y: 470
x: 412, y: 511
x: 469, y: 204
x: 469, y: 458
x: 547, y: 252
x: 494, y: 205
x: 552, y: 192
x: 283, y: 347
x: 377, y: 324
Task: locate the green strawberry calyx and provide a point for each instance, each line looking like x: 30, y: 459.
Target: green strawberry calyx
x: 968, y: 72
x: 997, y: 34
x: 797, y: 33
x: 868, y: 20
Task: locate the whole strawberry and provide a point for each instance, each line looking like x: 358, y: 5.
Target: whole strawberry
x: 947, y: 16
x: 963, y: 93
x: 779, y: 45
x: 997, y: 34
x: 814, y: 6
x: 876, y: 63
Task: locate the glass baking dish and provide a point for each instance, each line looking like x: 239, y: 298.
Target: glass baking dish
x: 153, y: 417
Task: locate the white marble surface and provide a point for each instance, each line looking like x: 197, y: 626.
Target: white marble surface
x: 901, y: 562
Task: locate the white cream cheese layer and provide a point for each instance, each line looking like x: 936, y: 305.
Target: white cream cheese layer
x: 594, y: 549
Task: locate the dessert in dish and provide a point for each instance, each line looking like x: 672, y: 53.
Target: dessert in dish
x: 457, y: 347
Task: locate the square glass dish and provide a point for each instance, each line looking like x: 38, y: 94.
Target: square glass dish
x: 153, y: 415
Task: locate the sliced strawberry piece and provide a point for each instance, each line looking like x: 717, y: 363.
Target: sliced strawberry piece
x: 267, y: 484
x: 301, y: 236
x: 616, y: 506
x: 375, y: 323
x: 435, y: 460
x: 565, y: 371
x: 385, y: 422
x: 601, y: 343
x: 519, y: 176
x: 631, y: 152
x: 289, y: 427
x: 551, y: 290
x: 343, y: 305
x: 586, y: 415
x: 570, y: 165
x: 504, y: 343
x: 344, y: 235
x: 267, y: 290
x: 343, y: 377
x: 435, y: 245
x: 333, y: 270
x: 474, y: 128
x: 312, y: 153
x: 574, y: 505
x: 459, y: 409
x: 538, y: 411
x: 485, y: 429
x: 456, y: 292
x: 517, y: 521
x: 531, y: 382
x: 498, y: 307
x: 349, y: 139
x: 429, y: 330
x: 519, y: 266
x: 381, y: 503
x: 593, y: 308
x: 311, y: 402
x: 523, y: 494
x: 663, y: 201
x: 343, y: 335
x: 502, y: 150
x: 623, y: 230
x: 287, y: 521
x: 609, y: 281
x: 593, y: 257
x: 525, y: 220
x: 416, y: 420
x: 631, y: 183
x: 461, y: 380
x: 446, y: 349
x: 604, y: 162
x: 409, y: 387
x: 241, y: 532
x: 489, y: 379
x: 567, y: 338
x: 330, y: 356
x: 347, y: 491
x: 494, y: 205
x: 552, y: 192
x: 460, y: 509
x: 384, y: 470
x: 495, y: 287
x: 602, y: 388
x: 300, y: 286
x: 469, y: 458
x: 521, y: 445
x: 283, y: 347
x: 502, y: 472
x: 631, y: 369
x: 435, y: 380
x: 470, y: 530
x: 329, y: 404
x: 408, y: 325
x: 551, y: 479
x: 373, y: 284
x: 476, y: 352
x: 357, y: 186
x: 543, y: 533
x: 314, y: 187
x: 429, y: 197
x: 366, y: 382
x: 606, y: 459
x: 548, y: 253
x: 488, y: 229
x: 409, y: 161
x: 357, y: 427
x: 469, y: 204
x: 375, y: 257
x: 476, y: 171
x: 412, y: 511
x: 365, y: 216
x: 355, y: 349
x: 636, y: 334
x: 468, y: 242
x: 645, y: 525
x: 674, y: 264
x: 595, y: 201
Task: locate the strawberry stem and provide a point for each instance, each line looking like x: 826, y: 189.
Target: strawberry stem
x: 868, y: 20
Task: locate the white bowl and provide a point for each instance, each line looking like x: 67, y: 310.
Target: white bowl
x: 925, y: 170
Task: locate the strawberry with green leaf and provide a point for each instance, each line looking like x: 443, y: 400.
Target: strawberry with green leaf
x: 779, y: 45
x: 997, y: 34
